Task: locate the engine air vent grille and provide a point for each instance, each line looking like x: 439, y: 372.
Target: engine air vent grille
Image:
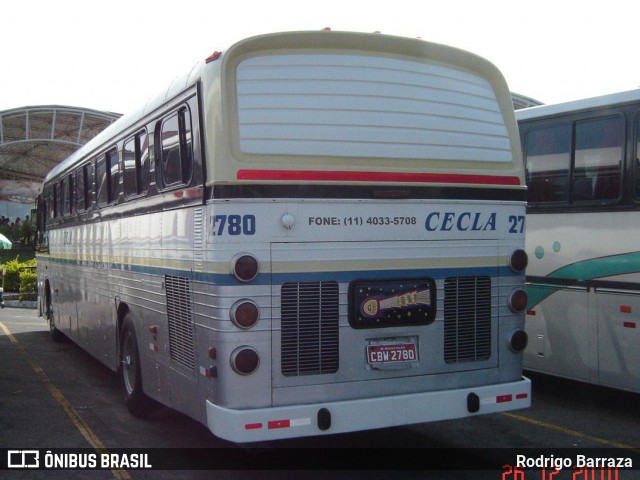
x: 467, y: 319
x: 309, y: 328
x: 180, y: 317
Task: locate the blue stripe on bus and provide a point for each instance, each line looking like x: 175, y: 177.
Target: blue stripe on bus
x: 280, y: 278
x: 349, y: 276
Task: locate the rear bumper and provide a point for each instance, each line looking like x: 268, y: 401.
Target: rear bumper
x: 364, y: 414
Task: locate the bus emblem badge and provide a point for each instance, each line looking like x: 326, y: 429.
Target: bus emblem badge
x: 387, y: 303
x: 372, y: 306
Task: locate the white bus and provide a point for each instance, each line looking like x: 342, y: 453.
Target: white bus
x: 309, y: 233
x: 584, y: 272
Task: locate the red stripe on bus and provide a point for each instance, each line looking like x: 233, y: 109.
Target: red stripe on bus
x: 344, y: 176
x: 278, y: 424
x: 504, y: 398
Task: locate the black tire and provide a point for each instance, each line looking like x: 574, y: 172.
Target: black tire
x: 56, y: 334
x: 130, y: 375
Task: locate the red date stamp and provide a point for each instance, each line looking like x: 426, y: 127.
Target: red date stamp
x: 573, y: 473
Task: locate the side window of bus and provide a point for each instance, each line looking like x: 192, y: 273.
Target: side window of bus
x: 102, y: 182
x: 84, y: 183
x: 64, y: 186
x: 69, y: 207
x: 136, y: 164
x: 548, y: 159
x: 53, y: 213
x: 598, y: 159
x: 80, y: 190
x: 60, y: 199
x: 113, y: 169
x: 107, y: 178
x: 176, y: 150
x: 88, y: 176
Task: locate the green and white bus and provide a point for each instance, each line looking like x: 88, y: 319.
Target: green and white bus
x: 584, y: 271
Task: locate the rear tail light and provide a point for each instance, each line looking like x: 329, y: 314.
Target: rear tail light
x: 519, y: 341
x: 518, y: 301
x: 244, y: 360
x: 244, y: 314
x: 519, y: 261
x: 244, y: 267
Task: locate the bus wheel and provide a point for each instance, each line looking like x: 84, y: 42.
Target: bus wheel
x: 130, y: 375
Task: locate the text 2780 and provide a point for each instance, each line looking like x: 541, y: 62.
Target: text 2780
x: 234, y: 225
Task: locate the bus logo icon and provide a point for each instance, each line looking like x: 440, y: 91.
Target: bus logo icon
x: 23, y: 459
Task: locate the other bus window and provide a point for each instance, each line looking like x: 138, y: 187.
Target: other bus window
x: 598, y: 159
x: 136, y: 164
x: 548, y: 160
x: 176, y: 148
x: 637, y: 171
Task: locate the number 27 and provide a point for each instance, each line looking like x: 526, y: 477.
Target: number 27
x: 516, y: 224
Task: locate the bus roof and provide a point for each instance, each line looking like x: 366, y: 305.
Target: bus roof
x: 398, y: 47
x: 575, y: 105
x: 130, y: 119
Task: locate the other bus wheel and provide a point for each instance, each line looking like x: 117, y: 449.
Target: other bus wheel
x: 130, y: 375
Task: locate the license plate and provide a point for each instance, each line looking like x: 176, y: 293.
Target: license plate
x: 385, y: 354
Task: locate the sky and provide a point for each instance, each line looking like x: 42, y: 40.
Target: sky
x: 113, y: 55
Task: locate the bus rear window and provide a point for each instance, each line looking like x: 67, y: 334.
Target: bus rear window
x: 367, y: 106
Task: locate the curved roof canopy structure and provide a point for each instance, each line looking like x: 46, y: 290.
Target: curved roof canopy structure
x: 35, y: 139
x: 520, y: 101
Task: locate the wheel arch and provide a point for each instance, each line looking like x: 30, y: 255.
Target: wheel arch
x: 47, y: 292
x: 123, y: 309
x: 129, y: 364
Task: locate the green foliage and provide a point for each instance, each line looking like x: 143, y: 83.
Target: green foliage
x: 13, y: 277
x: 28, y: 284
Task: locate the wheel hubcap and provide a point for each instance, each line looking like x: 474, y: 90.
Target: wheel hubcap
x: 128, y: 366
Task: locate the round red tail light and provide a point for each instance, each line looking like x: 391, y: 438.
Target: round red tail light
x: 244, y: 267
x: 519, y: 341
x: 518, y: 301
x: 244, y: 314
x: 244, y: 360
x: 519, y: 261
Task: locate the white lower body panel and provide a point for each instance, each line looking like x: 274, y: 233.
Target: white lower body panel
x: 347, y: 416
